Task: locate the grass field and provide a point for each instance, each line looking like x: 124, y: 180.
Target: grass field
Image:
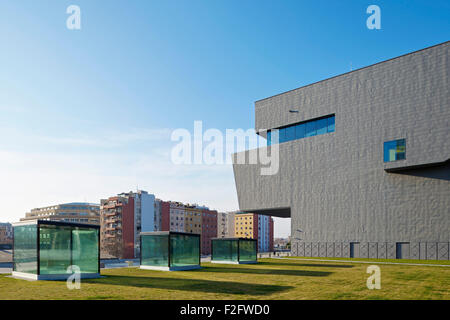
x: 440, y: 262
x: 269, y: 279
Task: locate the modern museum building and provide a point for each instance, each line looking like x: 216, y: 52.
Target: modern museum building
x: 364, y: 161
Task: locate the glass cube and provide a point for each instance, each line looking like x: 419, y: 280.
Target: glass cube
x: 53, y: 250
x: 234, y: 250
x: 170, y: 251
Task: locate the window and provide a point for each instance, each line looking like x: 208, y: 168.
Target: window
x: 305, y: 129
x: 282, y: 135
x: 290, y: 133
x: 300, y: 131
x: 331, y: 124
x: 311, y: 129
x: 322, y: 126
x: 395, y: 150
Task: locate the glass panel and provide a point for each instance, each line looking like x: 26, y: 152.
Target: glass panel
x: 311, y: 129
x: 247, y: 250
x: 55, y: 253
x: 331, y: 124
x: 394, y: 150
x: 282, y: 133
x: 155, y: 250
x: 25, y: 249
x: 269, y: 138
x: 85, y: 249
x: 225, y: 250
x: 387, y: 151
x: 275, y: 136
x: 300, y: 131
x: 290, y: 133
x: 322, y: 126
x: 184, y: 250
x: 401, y: 150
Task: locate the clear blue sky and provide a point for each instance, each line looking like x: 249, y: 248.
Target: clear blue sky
x: 86, y: 114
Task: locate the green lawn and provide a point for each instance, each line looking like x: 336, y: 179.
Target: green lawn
x: 441, y: 262
x: 269, y: 279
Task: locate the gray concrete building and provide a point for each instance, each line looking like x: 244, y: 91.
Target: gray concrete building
x: 364, y: 167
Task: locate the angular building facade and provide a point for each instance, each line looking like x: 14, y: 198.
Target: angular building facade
x: 363, y: 161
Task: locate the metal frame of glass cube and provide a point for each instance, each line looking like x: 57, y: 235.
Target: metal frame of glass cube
x: 234, y: 250
x: 161, y: 251
x: 44, y: 250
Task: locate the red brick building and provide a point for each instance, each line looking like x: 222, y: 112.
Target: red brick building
x: 209, y: 230
x: 117, y: 227
x: 165, y: 215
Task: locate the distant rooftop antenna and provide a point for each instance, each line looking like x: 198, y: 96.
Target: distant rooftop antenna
x: 351, y: 66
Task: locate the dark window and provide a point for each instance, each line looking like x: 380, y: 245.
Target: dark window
x: 290, y: 133
x: 311, y: 129
x: 331, y: 124
x: 282, y: 135
x: 302, y: 130
x: 322, y: 126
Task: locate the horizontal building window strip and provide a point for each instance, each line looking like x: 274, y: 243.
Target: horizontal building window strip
x: 302, y: 130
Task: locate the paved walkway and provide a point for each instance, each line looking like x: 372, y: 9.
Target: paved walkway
x: 371, y: 262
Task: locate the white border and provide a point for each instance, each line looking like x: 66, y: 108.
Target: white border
x: 30, y: 276
x: 171, y: 268
x: 233, y: 262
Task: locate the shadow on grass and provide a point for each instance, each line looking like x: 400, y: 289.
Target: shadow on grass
x: 325, y: 265
x: 281, y: 272
x: 190, y: 285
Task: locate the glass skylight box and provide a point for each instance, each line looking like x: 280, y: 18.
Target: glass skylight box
x: 53, y: 250
x: 234, y: 250
x: 170, y: 251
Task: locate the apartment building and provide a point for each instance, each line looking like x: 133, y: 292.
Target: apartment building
x: 193, y: 219
x: 209, y: 229
x: 246, y: 225
x: 117, y: 227
x: 225, y: 224
x: 189, y: 218
x: 145, y: 219
x: 364, y: 161
x: 265, y: 233
x: 163, y: 214
x: 6, y: 235
x: 78, y: 212
x: 255, y: 226
x: 176, y: 217
x: 158, y: 214
x: 126, y: 227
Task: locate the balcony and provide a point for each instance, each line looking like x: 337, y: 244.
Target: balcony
x: 110, y: 213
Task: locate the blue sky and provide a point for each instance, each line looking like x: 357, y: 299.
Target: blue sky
x: 87, y: 114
